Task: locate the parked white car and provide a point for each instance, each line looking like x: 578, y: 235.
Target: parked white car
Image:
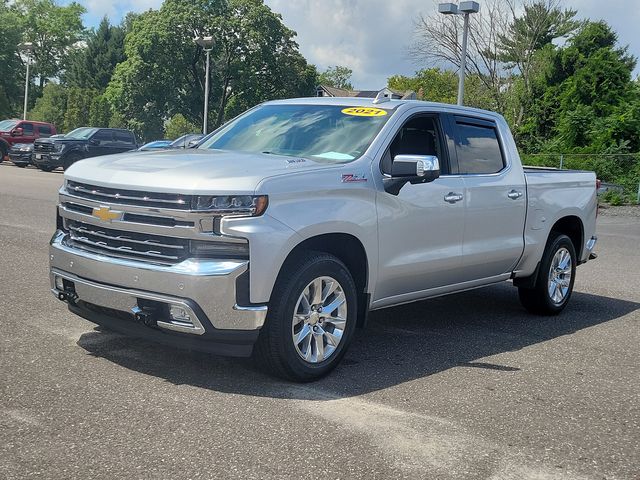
x: 287, y: 225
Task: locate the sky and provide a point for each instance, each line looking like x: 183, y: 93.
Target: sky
x: 372, y: 36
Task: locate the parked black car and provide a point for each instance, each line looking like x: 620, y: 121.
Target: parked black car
x: 83, y: 142
x: 20, y: 154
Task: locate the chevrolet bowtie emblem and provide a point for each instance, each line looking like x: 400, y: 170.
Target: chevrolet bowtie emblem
x: 106, y: 214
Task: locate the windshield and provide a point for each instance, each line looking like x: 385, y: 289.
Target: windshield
x: 329, y: 133
x: 81, y: 133
x: 7, y: 125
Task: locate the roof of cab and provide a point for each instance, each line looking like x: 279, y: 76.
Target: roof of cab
x: 369, y: 102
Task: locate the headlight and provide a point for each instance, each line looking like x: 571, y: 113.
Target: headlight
x: 231, y: 205
x: 24, y: 147
x: 58, y: 147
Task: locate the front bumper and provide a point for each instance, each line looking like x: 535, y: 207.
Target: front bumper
x: 20, y: 158
x: 141, y: 299
x: 52, y: 160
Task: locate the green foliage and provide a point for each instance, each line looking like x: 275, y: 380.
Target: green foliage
x: 51, y: 106
x: 337, y: 77
x: 177, y: 126
x: 53, y: 29
x: 254, y: 59
x: 613, y: 198
x: 78, y: 112
x: 93, y: 65
x: 11, y: 68
x: 99, y: 111
x: 435, y: 85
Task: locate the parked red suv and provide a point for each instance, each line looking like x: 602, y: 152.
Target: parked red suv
x: 21, y: 131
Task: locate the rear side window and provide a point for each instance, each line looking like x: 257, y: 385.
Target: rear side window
x: 478, y: 149
x: 45, y: 130
x: 104, y: 136
x: 124, y: 137
x: 27, y: 128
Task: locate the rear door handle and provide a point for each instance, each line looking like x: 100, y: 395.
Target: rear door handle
x: 514, y: 194
x: 452, y: 197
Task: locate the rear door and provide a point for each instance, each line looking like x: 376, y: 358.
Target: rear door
x: 421, y: 228
x: 495, y: 199
x: 124, y: 141
x: 101, y: 143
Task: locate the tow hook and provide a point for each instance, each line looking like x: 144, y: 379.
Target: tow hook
x: 145, y: 316
x: 68, y: 297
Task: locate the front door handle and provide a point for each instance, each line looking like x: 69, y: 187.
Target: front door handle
x: 514, y: 194
x: 452, y: 197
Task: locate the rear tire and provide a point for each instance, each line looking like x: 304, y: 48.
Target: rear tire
x: 311, y: 320
x: 46, y: 168
x: 555, y: 278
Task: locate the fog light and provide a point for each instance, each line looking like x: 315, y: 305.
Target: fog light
x: 59, y: 283
x: 179, y: 314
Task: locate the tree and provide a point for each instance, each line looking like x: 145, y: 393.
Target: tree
x: 78, y: 112
x: 177, y: 126
x: 93, y: 65
x: 337, y: 77
x: 502, y: 43
x: 51, y: 106
x: 254, y: 59
x: 53, y: 30
x: 537, y: 27
x: 587, y: 102
x: 11, y: 67
x: 437, y: 85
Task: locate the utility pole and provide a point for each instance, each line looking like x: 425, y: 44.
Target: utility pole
x: 26, y: 48
x: 207, y: 45
x: 466, y: 9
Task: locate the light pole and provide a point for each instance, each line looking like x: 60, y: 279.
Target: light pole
x: 207, y: 45
x: 464, y: 8
x: 26, y: 48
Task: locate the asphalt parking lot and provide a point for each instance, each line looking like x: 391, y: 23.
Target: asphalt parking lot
x: 463, y: 387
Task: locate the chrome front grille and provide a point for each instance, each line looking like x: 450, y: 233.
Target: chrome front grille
x: 43, y: 147
x: 129, y: 197
x: 126, y: 244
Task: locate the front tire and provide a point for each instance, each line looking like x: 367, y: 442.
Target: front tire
x: 70, y: 160
x: 556, y: 276
x: 311, y: 320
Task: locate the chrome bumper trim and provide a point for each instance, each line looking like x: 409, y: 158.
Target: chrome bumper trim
x: 210, y: 284
x: 126, y: 300
x: 591, y: 243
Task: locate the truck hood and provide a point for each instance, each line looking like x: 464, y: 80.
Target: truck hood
x: 190, y: 171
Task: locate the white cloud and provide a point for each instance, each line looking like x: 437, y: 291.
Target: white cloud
x: 371, y: 36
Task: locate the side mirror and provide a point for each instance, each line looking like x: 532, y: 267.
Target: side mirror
x: 425, y: 167
x: 17, y: 132
x: 411, y: 169
x: 93, y: 141
x: 192, y: 143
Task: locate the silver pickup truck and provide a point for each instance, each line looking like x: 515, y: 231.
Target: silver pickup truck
x: 283, y: 228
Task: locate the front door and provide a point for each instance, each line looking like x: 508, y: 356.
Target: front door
x: 421, y: 229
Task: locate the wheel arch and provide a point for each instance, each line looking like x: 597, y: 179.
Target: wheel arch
x: 572, y: 227
x: 350, y: 251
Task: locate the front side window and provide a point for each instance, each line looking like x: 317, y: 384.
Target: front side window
x: 418, y: 136
x: 478, y: 150
x: 103, y: 136
x: 81, y: 133
x: 27, y: 128
x: 326, y: 133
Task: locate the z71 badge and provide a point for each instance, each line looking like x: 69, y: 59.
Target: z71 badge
x: 353, y: 177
